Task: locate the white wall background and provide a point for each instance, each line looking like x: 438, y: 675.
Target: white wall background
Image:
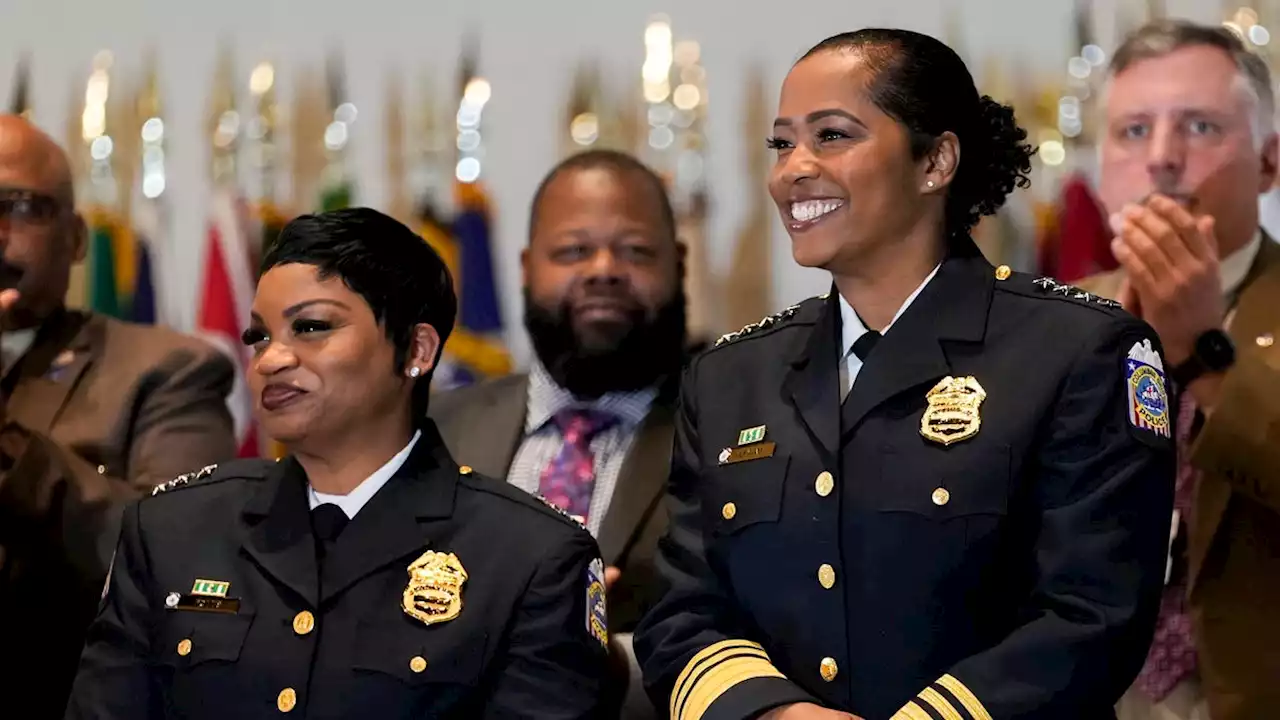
x: 528, y: 51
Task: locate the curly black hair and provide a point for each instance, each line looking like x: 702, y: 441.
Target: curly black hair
x: 923, y: 84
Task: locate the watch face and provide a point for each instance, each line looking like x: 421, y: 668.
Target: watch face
x: 1216, y: 350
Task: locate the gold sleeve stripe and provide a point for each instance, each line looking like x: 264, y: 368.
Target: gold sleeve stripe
x: 719, y: 679
x: 965, y: 696
x: 705, y: 657
x: 726, y: 659
x: 911, y: 711
x: 941, y: 704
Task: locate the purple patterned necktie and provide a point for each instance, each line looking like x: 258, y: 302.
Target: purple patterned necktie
x: 1172, y: 657
x: 569, y: 478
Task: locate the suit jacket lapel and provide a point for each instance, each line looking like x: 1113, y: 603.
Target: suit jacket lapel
x: 491, y: 441
x: 641, y: 481
x: 386, y: 529
x: 1255, y: 314
x: 279, y: 537
x: 51, y: 369
x: 952, y: 307
x: 813, y: 382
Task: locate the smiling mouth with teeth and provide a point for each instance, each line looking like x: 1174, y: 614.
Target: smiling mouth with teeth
x: 810, y: 210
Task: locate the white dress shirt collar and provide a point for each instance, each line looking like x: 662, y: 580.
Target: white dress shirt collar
x: 352, y: 502
x: 1235, y: 267
x: 851, y: 327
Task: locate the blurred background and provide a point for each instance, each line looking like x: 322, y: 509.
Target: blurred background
x: 198, y: 128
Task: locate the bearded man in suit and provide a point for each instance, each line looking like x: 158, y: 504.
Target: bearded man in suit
x: 1188, y: 147
x: 93, y: 412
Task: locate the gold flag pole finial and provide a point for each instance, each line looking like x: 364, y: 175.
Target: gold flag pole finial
x: 474, y: 92
x: 96, y: 127
x: 20, y: 103
x: 261, y: 134
x: 400, y: 205
x: 224, y: 122
x: 336, y: 186
x: 749, y: 286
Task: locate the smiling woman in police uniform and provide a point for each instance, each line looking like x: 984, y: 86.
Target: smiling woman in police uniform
x: 959, y: 513
x: 413, y: 589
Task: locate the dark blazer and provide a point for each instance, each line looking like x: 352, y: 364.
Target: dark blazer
x: 1233, y: 546
x: 339, y: 643
x: 483, y: 425
x: 96, y: 413
x: 845, y: 554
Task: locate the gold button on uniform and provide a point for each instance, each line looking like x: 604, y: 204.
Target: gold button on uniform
x: 728, y: 511
x: 184, y: 647
x: 286, y: 700
x: 1266, y: 340
x: 828, y: 669
x: 941, y: 497
x: 465, y: 470
x: 826, y: 576
x: 1003, y: 272
x: 824, y: 484
x: 304, y: 622
x: 418, y: 664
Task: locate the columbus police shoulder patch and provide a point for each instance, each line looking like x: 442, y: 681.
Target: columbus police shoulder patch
x: 597, y: 612
x: 1146, y: 389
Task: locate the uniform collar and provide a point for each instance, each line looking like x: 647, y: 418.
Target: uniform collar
x: 852, y: 327
x: 356, y: 499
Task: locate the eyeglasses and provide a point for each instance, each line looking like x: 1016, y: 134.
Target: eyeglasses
x: 27, y: 207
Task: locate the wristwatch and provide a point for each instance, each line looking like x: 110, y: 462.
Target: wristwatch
x: 1213, y: 352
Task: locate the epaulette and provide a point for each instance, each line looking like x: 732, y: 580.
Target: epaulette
x: 762, y: 324
x: 1049, y: 286
x: 560, y: 511
x: 181, y: 480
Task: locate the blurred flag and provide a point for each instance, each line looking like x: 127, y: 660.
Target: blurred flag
x: 475, y: 350
x: 748, y: 290
x: 142, y: 303
x: 226, y: 295
x: 1084, y: 238
x: 105, y: 228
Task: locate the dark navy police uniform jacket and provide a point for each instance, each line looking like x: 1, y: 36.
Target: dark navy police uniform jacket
x: 449, y: 595
x: 978, y: 531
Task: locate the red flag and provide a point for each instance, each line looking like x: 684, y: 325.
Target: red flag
x: 226, y: 295
x: 1084, y: 235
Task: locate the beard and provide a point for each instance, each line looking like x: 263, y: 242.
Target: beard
x: 607, y: 357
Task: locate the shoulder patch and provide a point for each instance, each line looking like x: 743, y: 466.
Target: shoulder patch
x: 561, y: 512
x: 185, y: 479
x: 1146, y: 389
x: 1049, y: 286
x: 597, y: 620
x: 763, y: 323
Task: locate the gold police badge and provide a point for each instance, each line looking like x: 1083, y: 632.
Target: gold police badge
x: 953, y: 414
x: 434, y: 593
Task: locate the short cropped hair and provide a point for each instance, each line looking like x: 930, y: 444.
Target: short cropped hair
x: 614, y: 161
x: 404, y: 281
x: 1163, y: 37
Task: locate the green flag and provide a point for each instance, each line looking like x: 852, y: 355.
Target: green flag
x: 102, y: 271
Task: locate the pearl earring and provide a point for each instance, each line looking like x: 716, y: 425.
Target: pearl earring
x: 415, y: 372
x: 929, y: 184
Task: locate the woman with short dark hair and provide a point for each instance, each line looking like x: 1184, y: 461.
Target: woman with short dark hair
x: 941, y: 490
x: 365, y: 575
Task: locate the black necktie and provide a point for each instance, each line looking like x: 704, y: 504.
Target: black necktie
x: 865, y: 343
x: 327, y: 522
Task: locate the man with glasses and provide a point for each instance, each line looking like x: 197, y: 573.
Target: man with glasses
x: 93, y: 412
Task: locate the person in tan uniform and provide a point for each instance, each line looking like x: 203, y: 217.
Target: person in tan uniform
x: 1188, y: 146
x: 93, y: 412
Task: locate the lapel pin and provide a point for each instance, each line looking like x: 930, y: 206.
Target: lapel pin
x: 751, y: 435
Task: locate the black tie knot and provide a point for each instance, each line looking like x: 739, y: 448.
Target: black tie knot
x: 327, y: 522
x: 865, y: 343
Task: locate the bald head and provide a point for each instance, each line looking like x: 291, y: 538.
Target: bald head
x: 41, y: 235
x: 28, y: 154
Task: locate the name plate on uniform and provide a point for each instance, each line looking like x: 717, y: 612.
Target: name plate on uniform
x: 202, y: 603
x: 758, y: 451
